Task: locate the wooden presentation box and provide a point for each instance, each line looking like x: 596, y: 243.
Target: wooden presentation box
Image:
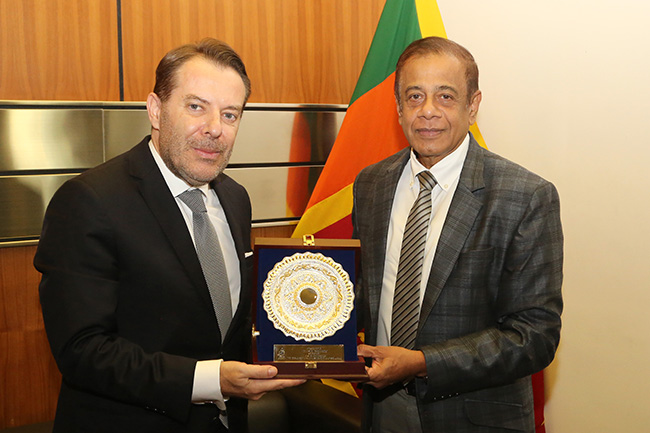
x: 304, y: 320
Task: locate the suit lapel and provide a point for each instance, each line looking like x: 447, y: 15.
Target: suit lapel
x: 232, y: 207
x: 463, y: 211
x: 383, y: 196
x: 163, y: 206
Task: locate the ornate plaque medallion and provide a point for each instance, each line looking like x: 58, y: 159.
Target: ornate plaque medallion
x: 308, y: 296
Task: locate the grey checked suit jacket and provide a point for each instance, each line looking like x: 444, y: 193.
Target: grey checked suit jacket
x: 491, y: 312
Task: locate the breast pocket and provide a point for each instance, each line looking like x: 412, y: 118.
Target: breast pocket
x: 466, y: 302
x: 473, y: 268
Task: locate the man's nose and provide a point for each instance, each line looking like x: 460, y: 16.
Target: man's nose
x: 213, y: 126
x: 430, y: 108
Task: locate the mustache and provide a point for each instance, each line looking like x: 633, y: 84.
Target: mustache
x: 209, y: 145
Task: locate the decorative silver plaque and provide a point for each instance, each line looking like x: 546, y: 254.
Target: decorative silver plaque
x: 308, y: 296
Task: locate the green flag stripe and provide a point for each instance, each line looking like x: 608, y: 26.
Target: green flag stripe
x: 397, y: 27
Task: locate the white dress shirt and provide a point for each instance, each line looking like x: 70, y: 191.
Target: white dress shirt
x: 447, y: 173
x: 207, y: 378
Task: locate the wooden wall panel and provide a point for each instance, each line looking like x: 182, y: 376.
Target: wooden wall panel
x: 29, y: 379
x: 284, y: 231
x: 295, y: 51
x: 59, y: 50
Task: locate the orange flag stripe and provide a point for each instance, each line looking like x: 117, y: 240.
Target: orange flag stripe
x: 357, y: 147
x: 363, y: 145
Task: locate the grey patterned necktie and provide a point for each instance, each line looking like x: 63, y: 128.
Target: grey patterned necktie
x: 209, y: 251
x: 406, y: 302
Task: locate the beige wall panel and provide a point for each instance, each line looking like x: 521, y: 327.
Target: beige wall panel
x: 59, y: 50
x: 296, y: 51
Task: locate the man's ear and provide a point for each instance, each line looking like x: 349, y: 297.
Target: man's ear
x: 154, y: 107
x: 473, y: 106
x: 399, y: 110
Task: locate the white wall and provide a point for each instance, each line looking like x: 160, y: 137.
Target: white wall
x: 566, y: 93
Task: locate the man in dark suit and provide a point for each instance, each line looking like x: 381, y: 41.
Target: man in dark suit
x: 131, y: 320
x: 457, y: 322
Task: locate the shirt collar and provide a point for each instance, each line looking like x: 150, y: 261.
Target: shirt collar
x: 175, y: 184
x: 446, y: 171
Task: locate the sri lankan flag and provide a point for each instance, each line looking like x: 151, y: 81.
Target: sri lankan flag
x: 371, y: 132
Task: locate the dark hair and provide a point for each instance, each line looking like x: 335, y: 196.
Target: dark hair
x: 210, y: 49
x: 437, y: 45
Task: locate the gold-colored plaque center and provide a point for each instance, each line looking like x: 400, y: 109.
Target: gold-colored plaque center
x: 308, y: 296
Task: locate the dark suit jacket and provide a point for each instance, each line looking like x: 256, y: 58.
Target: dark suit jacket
x: 491, y: 312
x: 126, y: 309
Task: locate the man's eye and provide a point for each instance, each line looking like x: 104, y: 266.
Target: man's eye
x: 415, y: 98
x: 230, y: 116
x: 194, y: 107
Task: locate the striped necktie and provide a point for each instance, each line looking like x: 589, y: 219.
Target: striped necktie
x: 406, y: 302
x: 210, y: 256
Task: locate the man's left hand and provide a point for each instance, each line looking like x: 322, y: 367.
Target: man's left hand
x: 392, y: 364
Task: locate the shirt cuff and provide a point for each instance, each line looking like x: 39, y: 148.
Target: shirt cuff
x: 207, y: 383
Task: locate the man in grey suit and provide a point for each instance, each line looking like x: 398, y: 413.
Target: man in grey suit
x: 461, y: 312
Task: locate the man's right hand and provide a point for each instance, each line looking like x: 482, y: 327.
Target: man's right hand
x: 251, y: 381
